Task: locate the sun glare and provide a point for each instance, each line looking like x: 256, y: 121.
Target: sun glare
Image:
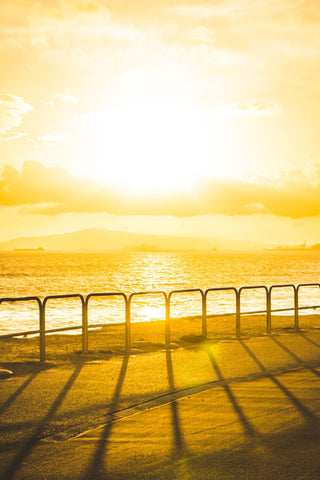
x: 143, y: 148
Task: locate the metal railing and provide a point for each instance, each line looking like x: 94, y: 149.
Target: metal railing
x: 42, y: 331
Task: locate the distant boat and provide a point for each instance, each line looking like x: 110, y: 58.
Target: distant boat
x: 39, y: 249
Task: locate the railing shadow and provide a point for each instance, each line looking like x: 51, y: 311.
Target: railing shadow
x: 305, y: 412
x: 98, y: 465
x: 295, y: 357
x: 178, y: 437
x: 18, y: 392
x: 247, y: 426
x: 98, y: 461
x: 17, y: 461
x: 303, y: 335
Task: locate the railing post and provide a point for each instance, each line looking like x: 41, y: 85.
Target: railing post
x: 269, y: 311
x: 204, y: 314
x: 167, y: 320
x: 42, y: 336
x: 128, y: 323
x: 85, y: 325
x: 238, y: 314
x: 296, y: 308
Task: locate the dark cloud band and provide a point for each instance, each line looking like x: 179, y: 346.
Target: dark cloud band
x: 54, y: 190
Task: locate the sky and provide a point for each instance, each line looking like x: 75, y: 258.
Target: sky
x: 177, y: 118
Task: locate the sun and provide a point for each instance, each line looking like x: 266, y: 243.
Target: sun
x: 154, y: 147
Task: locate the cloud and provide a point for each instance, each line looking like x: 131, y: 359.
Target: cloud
x: 7, y: 137
x: 256, y: 107
x: 203, y: 34
x: 54, y: 190
x: 12, y: 109
x: 252, y: 107
x: 66, y: 98
x: 55, y: 137
x: 235, y: 9
x: 137, y: 75
x: 215, y: 44
x: 200, y: 11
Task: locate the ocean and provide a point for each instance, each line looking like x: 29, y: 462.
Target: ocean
x: 43, y: 273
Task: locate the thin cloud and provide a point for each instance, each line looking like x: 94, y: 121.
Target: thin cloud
x: 203, y: 34
x: 252, y: 107
x: 256, y: 107
x: 232, y: 8
x: 7, y: 137
x: 35, y: 188
x: 56, y: 137
x: 12, y: 109
x: 66, y: 98
x: 137, y: 76
x: 201, y: 11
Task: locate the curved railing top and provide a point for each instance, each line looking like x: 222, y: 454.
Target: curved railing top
x: 285, y: 285
x: 185, y: 290
x: 106, y: 294
x: 66, y: 295
x: 147, y: 292
x: 21, y: 299
x: 253, y: 287
x: 219, y: 289
x: 308, y: 285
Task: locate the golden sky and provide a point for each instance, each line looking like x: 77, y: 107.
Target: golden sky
x: 181, y: 117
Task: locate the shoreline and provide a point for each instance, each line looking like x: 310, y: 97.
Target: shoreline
x: 148, y: 337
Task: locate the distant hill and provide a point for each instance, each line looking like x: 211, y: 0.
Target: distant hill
x: 104, y: 240
x: 298, y: 248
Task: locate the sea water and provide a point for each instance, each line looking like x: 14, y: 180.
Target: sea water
x: 42, y: 273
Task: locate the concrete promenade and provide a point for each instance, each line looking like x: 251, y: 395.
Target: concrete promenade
x: 226, y: 409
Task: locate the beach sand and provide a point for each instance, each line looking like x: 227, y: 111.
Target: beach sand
x: 147, y: 336
x: 224, y: 408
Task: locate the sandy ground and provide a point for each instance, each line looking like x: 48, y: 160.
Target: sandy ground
x: 219, y: 409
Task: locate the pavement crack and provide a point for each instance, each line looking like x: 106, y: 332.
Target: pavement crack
x: 81, y: 429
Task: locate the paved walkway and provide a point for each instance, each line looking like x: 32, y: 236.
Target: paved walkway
x: 233, y: 409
